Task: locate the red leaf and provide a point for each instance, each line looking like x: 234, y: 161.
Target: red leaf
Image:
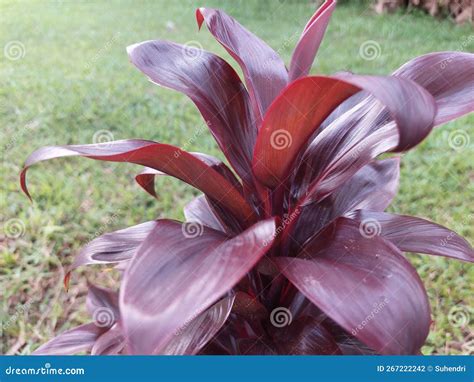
x: 310, y: 40
x: 301, y: 108
x: 290, y: 121
x: 168, y: 159
x: 146, y: 180
x: 102, y: 305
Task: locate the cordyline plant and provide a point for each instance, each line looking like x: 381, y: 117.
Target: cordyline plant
x: 290, y: 253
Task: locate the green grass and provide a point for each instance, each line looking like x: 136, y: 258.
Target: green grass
x: 75, y: 80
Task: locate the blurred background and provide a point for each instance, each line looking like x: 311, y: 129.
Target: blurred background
x: 65, y: 79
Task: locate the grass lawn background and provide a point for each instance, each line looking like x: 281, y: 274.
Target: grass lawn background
x: 75, y: 81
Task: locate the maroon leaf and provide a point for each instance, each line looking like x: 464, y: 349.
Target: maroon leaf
x: 114, y: 247
x: 353, y: 139
x: 290, y: 121
x: 300, y: 109
x: 213, y: 86
x: 221, y: 168
x: 310, y: 40
x: 102, y: 305
x: 146, y: 180
x: 191, y: 338
x: 255, y: 346
x: 264, y: 71
x: 110, y: 343
x: 351, y: 346
x: 410, y: 105
x: 372, y: 187
x: 178, y: 273
x: 449, y: 77
x: 305, y: 336
x: 168, y: 159
x: 79, y: 339
x: 199, y: 211
x: 365, y: 285
x: 411, y: 234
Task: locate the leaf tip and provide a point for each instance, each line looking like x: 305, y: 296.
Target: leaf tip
x: 131, y: 48
x: 24, y: 188
x: 200, y: 16
x: 66, y: 280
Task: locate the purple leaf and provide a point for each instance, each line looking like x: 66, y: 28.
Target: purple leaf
x: 198, y: 210
x: 372, y: 187
x: 365, y: 285
x: 353, y: 140
x: 146, y: 179
x: 255, y: 346
x: 410, y: 105
x: 79, y: 339
x: 110, y: 343
x: 264, y: 71
x: 449, y: 77
x: 178, y: 273
x: 168, y: 159
x: 114, y: 247
x: 310, y: 40
x: 191, y: 338
x: 213, y: 86
x: 102, y: 305
x: 305, y: 336
x: 411, y: 234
